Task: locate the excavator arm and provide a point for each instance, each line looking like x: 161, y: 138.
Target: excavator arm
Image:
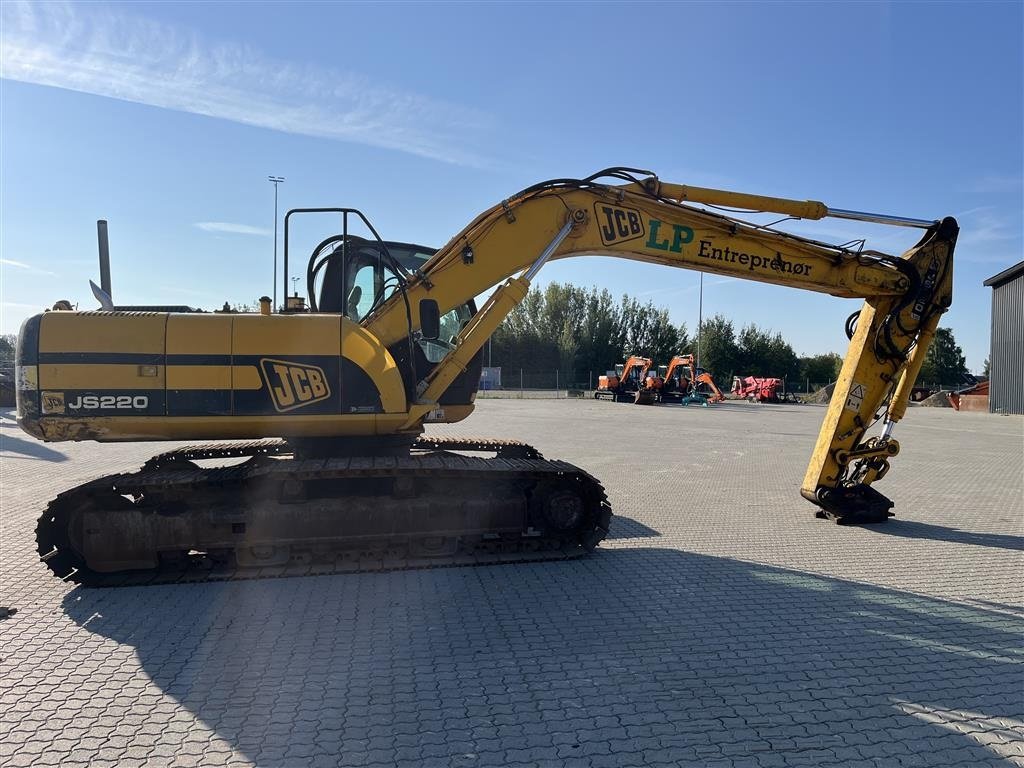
x: 678, y: 362
x: 647, y: 220
x: 705, y: 378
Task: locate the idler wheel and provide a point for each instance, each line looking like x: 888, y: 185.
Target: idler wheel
x: 559, y: 507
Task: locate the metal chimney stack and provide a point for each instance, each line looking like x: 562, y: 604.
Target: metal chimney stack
x: 101, y: 234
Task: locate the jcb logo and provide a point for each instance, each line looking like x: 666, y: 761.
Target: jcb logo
x: 618, y: 224
x: 293, y: 385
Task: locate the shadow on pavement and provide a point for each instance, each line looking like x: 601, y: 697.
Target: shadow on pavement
x: 12, y: 441
x: 26, y: 448
x: 628, y: 528
x: 646, y: 654
x: 914, y: 530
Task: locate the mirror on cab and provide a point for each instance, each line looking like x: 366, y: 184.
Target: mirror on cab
x: 430, y: 319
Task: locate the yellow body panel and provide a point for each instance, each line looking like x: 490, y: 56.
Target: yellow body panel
x: 364, y: 350
x: 91, y: 376
x: 284, y: 335
x: 245, y: 377
x: 205, y: 377
x: 199, y: 334
x: 69, y: 332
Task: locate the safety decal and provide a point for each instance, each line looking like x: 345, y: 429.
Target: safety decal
x: 855, y: 398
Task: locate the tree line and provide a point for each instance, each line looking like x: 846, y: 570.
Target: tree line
x: 580, y: 332
x: 583, y: 332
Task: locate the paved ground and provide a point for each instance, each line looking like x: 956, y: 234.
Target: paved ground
x: 721, y: 624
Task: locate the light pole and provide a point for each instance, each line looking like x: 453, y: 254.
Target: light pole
x: 275, y: 180
x: 700, y: 318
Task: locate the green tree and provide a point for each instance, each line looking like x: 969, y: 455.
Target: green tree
x: 719, y: 352
x: 988, y: 367
x: 518, y: 341
x: 568, y: 349
x: 783, y: 362
x: 636, y: 327
x: 600, y: 342
x: 945, y: 362
x: 8, y: 343
x: 666, y: 340
x: 647, y: 331
x: 582, y: 332
x: 821, y: 369
x: 754, y: 351
x: 762, y: 353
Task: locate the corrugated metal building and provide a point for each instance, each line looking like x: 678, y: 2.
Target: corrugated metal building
x: 1006, y: 393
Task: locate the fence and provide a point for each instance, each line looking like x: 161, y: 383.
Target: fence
x: 522, y: 383
x: 519, y: 382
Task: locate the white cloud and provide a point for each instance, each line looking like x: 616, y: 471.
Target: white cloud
x: 234, y: 229
x: 997, y: 182
x: 102, y: 51
x: 987, y: 235
x: 663, y: 293
x: 27, y: 267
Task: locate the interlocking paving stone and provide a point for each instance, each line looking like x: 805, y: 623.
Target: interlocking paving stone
x: 719, y: 624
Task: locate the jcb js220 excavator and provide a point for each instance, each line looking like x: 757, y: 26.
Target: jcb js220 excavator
x: 336, y: 474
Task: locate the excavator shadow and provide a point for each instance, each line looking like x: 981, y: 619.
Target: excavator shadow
x: 913, y: 530
x: 14, y: 447
x: 628, y: 528
x: 627, y: 650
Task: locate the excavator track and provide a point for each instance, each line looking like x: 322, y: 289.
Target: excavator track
x: 279, y: 514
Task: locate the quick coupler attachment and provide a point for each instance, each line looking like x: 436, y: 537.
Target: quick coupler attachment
x: 853, y: 505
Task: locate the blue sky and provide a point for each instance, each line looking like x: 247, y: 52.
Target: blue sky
x: 166, y: 119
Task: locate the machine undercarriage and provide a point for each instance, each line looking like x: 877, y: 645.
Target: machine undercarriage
x: 280, y: 512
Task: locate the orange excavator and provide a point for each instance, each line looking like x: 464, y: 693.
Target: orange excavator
x: 675, y: 386
x: 628, y: 382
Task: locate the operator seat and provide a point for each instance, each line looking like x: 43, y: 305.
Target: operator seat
x: 352, y: 305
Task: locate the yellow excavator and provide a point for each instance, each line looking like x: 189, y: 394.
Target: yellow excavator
x: 325, y: 408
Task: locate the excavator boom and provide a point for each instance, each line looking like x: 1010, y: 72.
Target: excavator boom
x: 644, y: 220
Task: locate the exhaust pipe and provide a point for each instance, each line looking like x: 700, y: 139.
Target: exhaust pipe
x: 101, y: 235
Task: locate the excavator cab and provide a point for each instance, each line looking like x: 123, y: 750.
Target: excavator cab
x: 357, y: 274
x: 353, y: 275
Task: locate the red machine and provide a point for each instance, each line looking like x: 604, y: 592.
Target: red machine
x: 757, y: 390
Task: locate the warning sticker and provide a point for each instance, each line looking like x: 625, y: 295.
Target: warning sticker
x: 855, y: 398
